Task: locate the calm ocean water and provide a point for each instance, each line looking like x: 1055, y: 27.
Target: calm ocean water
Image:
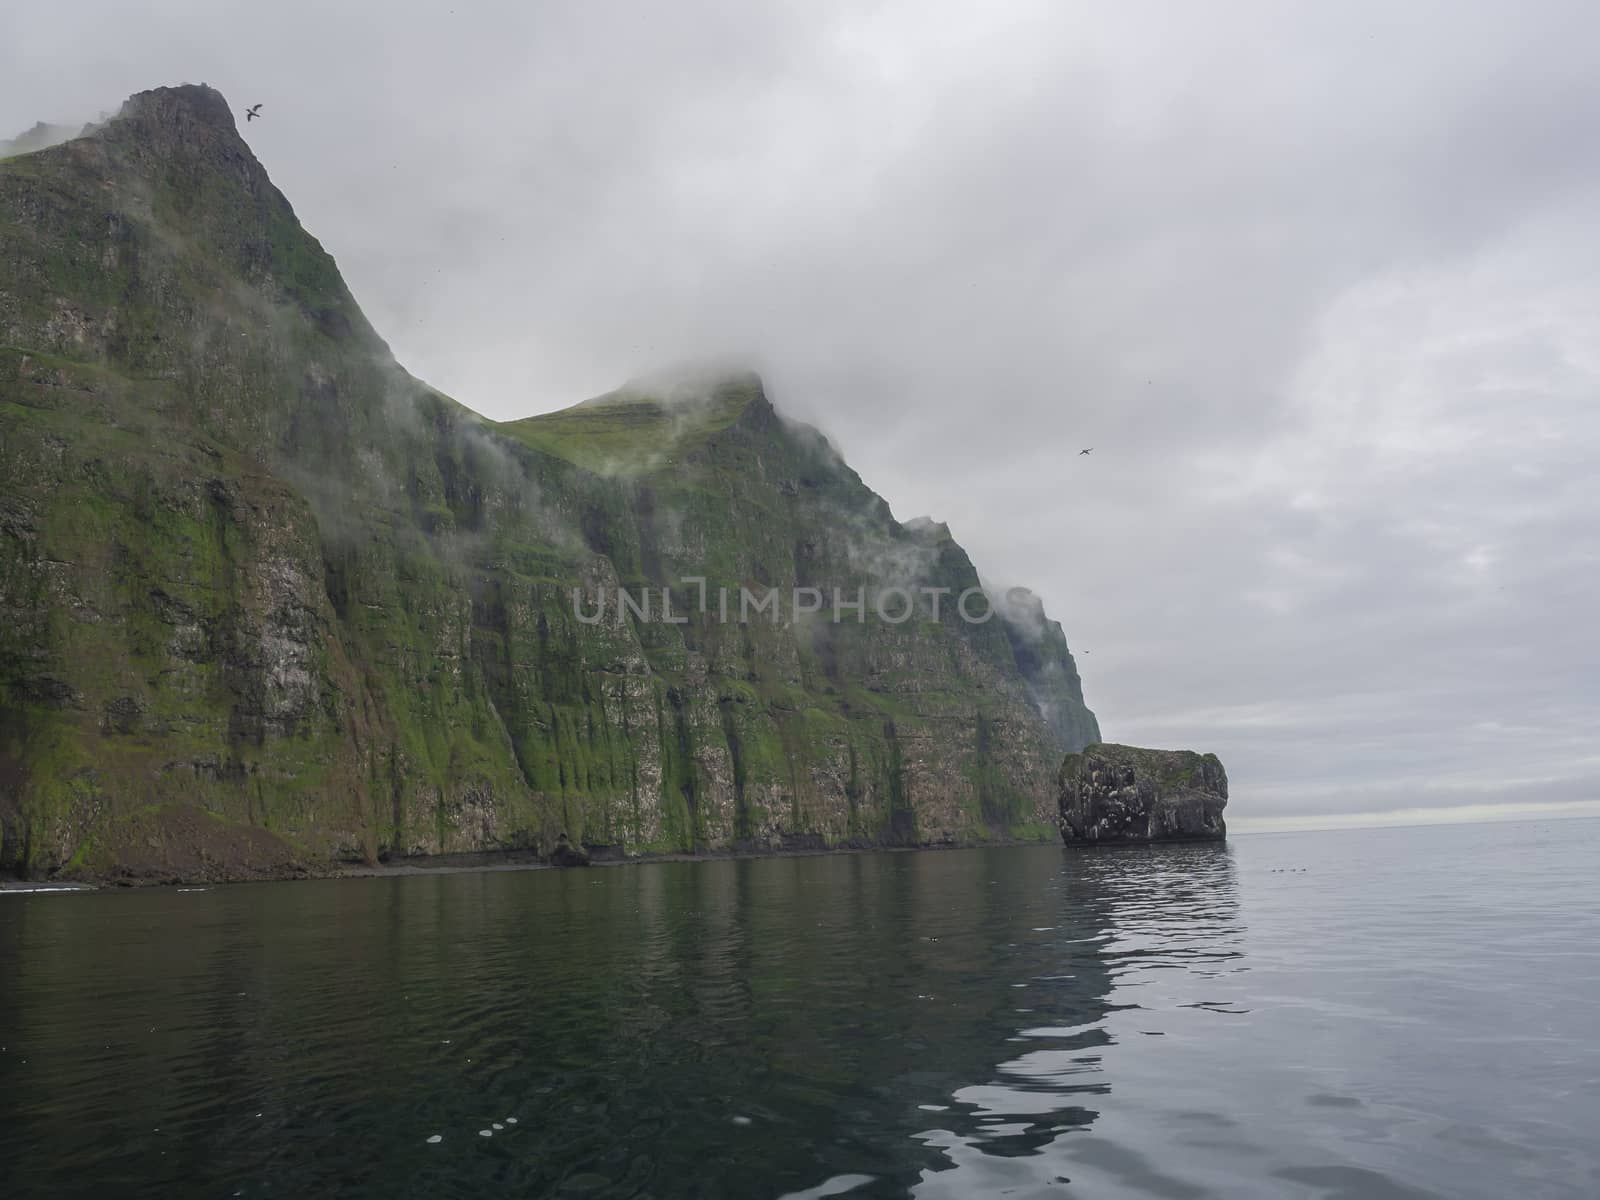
x: 1378, y: 1014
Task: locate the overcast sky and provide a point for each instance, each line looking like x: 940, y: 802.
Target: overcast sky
x: 1320, y: 284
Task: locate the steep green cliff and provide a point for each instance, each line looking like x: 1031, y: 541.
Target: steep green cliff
x: 265, y: 597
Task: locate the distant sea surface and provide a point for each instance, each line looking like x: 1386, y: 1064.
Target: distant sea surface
x: 1360, y: 1015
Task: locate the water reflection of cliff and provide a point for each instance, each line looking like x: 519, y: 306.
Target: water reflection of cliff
x: 1127, y: 922
x: 930, y: 1022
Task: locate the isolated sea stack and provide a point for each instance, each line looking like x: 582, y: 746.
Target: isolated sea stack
x: 1118, y: 794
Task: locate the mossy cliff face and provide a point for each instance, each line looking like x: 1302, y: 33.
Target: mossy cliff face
x: 250, y: 566
x: 1113, y: 793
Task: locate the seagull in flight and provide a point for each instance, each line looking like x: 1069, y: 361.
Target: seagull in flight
x: 251, y: 113
x: 1090, y: 450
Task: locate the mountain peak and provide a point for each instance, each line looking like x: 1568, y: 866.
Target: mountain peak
x: 164, y: 207
x: 185, y: 123
x: 186, y: 106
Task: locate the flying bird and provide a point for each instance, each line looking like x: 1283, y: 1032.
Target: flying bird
x: 1090, y: 450
x: 251, y: 113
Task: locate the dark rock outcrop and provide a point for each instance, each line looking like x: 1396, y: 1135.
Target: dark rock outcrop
x: 1114, y: 794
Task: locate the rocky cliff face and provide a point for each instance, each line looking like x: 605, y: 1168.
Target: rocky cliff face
x: 1113, y: 793
x: 251, y: 569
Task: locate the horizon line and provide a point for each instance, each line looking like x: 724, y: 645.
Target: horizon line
x: 1412, y: 818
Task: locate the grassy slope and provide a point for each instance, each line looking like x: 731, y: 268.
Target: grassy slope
x: 631, y: 433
